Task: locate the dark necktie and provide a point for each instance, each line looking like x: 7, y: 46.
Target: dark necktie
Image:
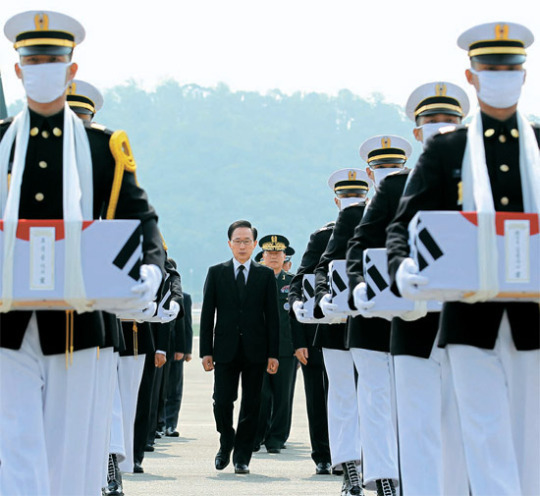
x: 241, y: 282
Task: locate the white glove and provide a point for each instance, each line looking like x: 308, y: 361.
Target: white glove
x: 415, y: 314
x: 300, y: 312
x: 408, y: 280
x: 148, y: 286
x: 328, y: 308
x: 166, y: 315
x: 360, y: 299
x: 144, y: 315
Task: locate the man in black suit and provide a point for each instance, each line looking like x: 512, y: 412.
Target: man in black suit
x: 243, y: 340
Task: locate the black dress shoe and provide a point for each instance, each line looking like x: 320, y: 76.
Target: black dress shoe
x: 337, y: 471
x: 170, y: 432
x: 158, y: 435
x: 137, y: 468
x: 149, y: 447
x: 256, y: 448
x: 223, y: 458
x: 273, y: 450
x: 241, y: 468
x: 323, y: 468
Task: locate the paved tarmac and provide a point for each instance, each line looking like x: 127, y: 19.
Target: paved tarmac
x: 185, y: 465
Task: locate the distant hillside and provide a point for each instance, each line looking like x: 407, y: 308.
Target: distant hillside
x: 209, y: 156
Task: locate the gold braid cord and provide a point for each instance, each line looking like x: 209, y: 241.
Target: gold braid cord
x: 123, y: 156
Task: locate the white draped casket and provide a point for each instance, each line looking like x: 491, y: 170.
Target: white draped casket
x: 111, y: 255
x: 445, y: 247
x: 386, y: 303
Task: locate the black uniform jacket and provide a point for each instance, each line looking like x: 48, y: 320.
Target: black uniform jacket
x: 434, y: 185
x: 45, y: 148
x: 406, y: 338
x: 318, y: 335
x: 371, y: 334
x: 252, y: 323
x: 183, y: 328
x: 286, y: 324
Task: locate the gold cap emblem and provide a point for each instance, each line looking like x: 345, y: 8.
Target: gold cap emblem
x: 41, y: 22
x: 386, y: 142
x: 352, y: 175
x: 440, y: 89
x: 501, y: 32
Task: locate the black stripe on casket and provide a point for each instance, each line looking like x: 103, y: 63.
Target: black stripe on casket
x: 369, y: 292
x: 377, y: 278
x: 135, y: 272
x: 431, y: 246
x: 338, y: 281
x: 128, y: 249
x: 422, y: 263
x: 308, y: 288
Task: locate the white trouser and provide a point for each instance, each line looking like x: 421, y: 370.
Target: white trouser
x: 130, y: 370
x: 343, y: 419
x: 429, y: 432
x: 117, y: 443
x: 46, y: 420
x: 523, y: 378
x: 484, y: 391
x: 377, y: 416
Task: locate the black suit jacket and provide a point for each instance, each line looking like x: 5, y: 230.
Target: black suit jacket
x: 227, y: 322
x: 406, y: 338
x: 89, y: 328
x: 434, y: 185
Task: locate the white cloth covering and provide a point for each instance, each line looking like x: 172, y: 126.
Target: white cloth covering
x: 77, y: 200
x: 343, y: 418
x: 45, y: 414
x: 377, y: 416
x: 130, y: 370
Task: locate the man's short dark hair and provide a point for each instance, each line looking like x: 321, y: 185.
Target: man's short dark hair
x: 241, y: 223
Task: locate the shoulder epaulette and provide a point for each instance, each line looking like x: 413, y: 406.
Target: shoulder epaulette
x: 98, y: 127
x: 451, y: 128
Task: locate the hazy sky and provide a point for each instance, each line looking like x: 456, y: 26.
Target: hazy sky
x: 365, y: 46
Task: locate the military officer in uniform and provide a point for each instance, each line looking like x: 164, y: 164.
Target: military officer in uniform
x: 53, y: 355
x: 276, y: 408
x: 351, y: 187
x: 492, y: 165
x: 431, y: 106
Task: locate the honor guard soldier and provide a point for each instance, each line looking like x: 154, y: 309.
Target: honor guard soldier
x: 276, y: 408
x: 431, y: 106
x: 48, y: 443
x: 492, y: 165
x: 351, y: 187
x: 309, y: 354
x: 84, y: 99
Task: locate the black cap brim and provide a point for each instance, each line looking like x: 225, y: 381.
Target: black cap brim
x: 500, y: 59
x: 44, y: 50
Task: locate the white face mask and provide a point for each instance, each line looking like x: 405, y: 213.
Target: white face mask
x: 44, y: 83
x: 500, y: 89
x: 431, y: 128
x: 381, y: 173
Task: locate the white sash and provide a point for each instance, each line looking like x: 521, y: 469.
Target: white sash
x: 477, y: 196
x: 77, y: 201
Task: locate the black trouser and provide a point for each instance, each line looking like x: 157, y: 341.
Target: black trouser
x: 316, y: 389
x: 175, y: 391
x: 142, y: 415
x: 154, y: 405
x: 276, y: 408
x: 226, y: 379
